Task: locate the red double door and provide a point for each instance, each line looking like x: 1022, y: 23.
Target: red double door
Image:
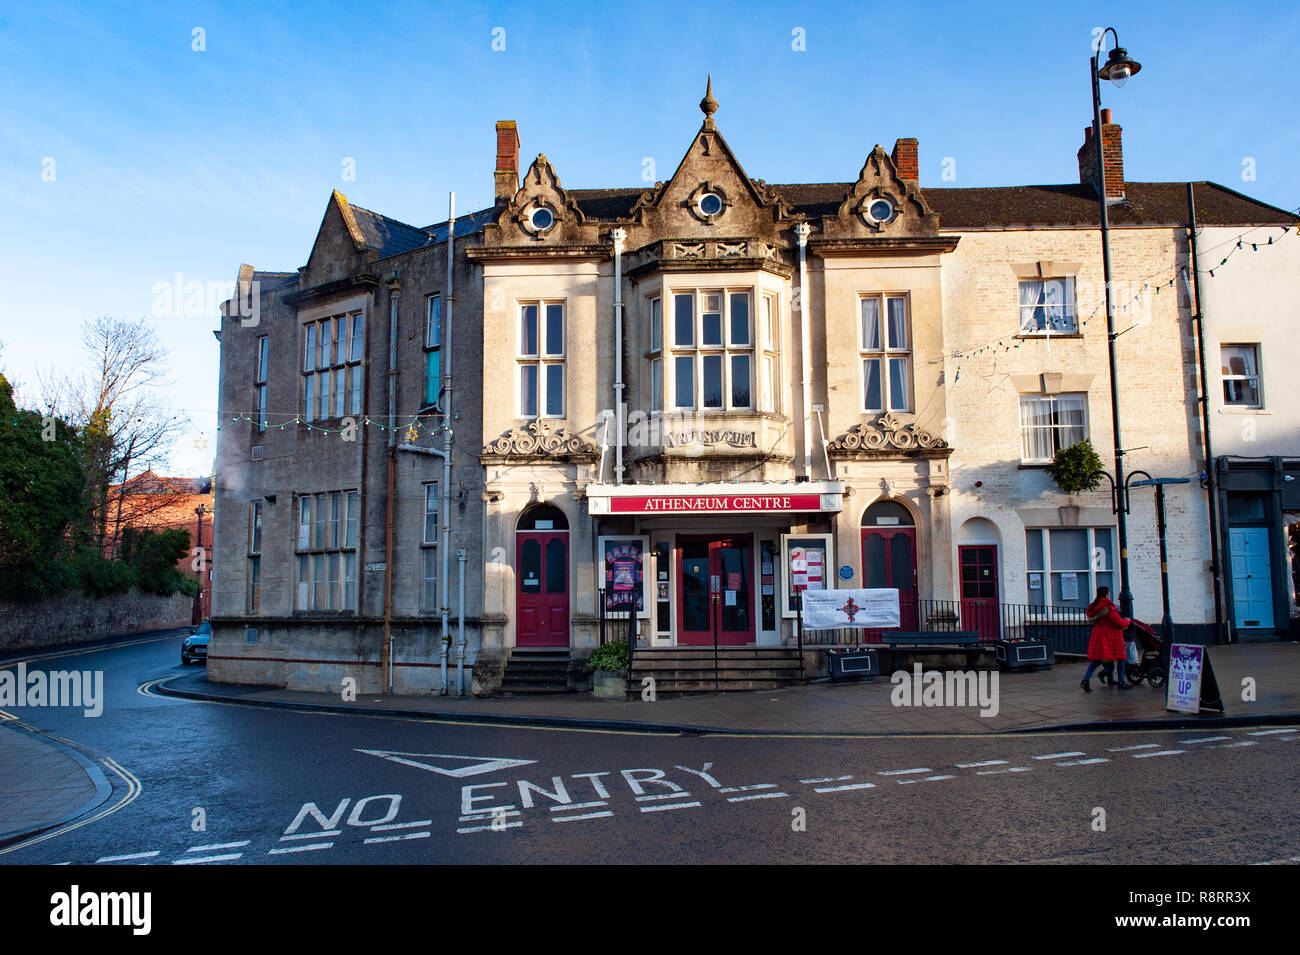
x: 542, y: 589
x: 715, y: 588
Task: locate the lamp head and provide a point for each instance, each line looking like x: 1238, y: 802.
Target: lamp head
x: 1119, y: 67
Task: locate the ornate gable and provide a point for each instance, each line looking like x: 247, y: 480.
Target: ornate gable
x: 881, y: 204
x: 541, y: 213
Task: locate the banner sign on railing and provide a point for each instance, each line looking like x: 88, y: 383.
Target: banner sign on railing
x: 875, y: 608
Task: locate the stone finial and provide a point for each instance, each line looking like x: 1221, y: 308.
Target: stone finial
x: 709, y: 105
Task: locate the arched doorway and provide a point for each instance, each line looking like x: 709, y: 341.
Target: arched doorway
x: 889, y: 555
x: 977, y: 562
x: 542, y: 578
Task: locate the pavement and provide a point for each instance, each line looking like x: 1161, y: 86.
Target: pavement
x: 1041, y: 700
x: 43, y: 783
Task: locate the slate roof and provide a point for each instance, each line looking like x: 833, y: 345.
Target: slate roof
x: 1149, y: 204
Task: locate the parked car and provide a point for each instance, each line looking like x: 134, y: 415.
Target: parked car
x: 194, y: 648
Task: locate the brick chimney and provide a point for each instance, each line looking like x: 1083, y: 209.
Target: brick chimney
x: 905, y: 159
x: 1112, y: 151
x: 507, y: 170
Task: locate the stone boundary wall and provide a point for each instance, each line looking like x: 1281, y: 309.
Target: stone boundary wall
x: 76, y: 618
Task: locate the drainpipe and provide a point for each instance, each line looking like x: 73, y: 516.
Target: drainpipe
x: 461, y: 557
x: 802, y: 231
x: 446, y: 441
x: 1212, y: 492
x: 387, y: 649
x: 619, y: 236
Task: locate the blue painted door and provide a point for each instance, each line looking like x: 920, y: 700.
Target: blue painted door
x: 1252, y: 578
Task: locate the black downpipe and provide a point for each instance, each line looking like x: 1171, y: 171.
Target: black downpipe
x: 1212, y: 490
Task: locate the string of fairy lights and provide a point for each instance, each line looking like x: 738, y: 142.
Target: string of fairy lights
x: 1240, y: 243
x: 429, y: 425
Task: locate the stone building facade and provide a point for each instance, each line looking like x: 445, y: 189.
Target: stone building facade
x: 678, y: 402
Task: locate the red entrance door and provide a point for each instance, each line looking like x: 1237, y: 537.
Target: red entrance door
x: 889, y: 560
x: 714, y: 582
x: 979, y: 590
x: 542, y: 589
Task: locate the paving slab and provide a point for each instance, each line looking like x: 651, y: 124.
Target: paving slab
x: 43, y: 783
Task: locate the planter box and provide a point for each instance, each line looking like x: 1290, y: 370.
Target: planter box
x: 1023, y: 654
x: 608, y: 685
x: 845, y: 662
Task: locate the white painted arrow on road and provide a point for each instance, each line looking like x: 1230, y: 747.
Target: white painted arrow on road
x: 478, y: 764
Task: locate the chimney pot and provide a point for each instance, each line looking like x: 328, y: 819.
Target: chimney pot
x: 1105, y: 116
x: 506, y: 173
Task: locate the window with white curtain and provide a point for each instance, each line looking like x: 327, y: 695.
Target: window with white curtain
x: 1240, y: 370
x: 1049, y: 423
x: 327, y: 545
x: 541, y: 359
x: 1047, y: 305
x: 885, y: 350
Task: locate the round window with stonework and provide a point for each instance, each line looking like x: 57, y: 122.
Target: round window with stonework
x: 711, y: 204
x: 542, y: 218
x: 880, y: 210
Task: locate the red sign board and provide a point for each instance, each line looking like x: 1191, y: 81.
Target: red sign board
x: 715, y: 503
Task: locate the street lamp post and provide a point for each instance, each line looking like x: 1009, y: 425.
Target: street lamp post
x: 1118, y: 69
x: 198, y: 542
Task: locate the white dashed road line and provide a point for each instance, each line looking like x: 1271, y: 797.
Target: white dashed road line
x: 588, y: 815
x: 660, y: 796
x: 840, y: 789
x: 905, y: 772
x: 758, y: 796
x: 308, y: 848
x: 312, y: 835
x: 987, y: 762
x: 924, y: 779
x: 1059, y: 755
x: 580, y: 805
x: 1009, y: 769
x: 408, y: 835
x: 825, y: 779
x: 1244, y: 742
x: 1163, y: 752
x: 223, y: 845
x: 128, y: 858
x: 1084, y: 762
x: 1269, y: 732
x: 199, y: 860
x: 669, y: 805
x: 402, y: 825
x: 1205, y: 739
x: 742, y: 789
x: 1125, y: 749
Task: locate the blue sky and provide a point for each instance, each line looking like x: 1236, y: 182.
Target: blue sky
x: 169, y: 160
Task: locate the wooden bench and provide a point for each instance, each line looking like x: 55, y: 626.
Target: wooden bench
x: 969, y: 640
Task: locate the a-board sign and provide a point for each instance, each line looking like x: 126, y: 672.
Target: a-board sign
x: 1190, y: 685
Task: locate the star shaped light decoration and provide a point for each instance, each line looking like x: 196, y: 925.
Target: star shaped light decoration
x: 995, y: 380
x: 200, y: 443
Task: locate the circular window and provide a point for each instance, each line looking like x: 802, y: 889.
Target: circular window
x: 542, y: 219
x: 710, y: 203
x: 880, y: 210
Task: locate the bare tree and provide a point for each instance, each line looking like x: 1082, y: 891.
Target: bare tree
x: 124, y: 428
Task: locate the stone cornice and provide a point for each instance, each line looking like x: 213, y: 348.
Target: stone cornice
x: 319, y: 293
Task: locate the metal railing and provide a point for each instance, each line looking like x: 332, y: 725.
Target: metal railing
x: 618, y: 625
x: 1066, y: 627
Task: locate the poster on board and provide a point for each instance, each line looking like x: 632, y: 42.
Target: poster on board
x: 624, y: 571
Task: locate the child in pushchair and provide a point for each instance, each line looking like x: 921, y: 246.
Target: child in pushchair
x: 1149, y: 666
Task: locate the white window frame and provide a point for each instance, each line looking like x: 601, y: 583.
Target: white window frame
x: 1055, y: 427
x: 1257, y: 378
x: 1070, y: 305
x: 768, y: 374
x: 655, y: 351
x: 885, y: 352
x: 727, y: 350
x: 541, y: 360
x: 333, y: 354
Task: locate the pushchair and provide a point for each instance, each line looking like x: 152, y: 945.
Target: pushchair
x: 1149, y: 666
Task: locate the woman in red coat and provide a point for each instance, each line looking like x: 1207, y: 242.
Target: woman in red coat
x: 1106, y: 642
